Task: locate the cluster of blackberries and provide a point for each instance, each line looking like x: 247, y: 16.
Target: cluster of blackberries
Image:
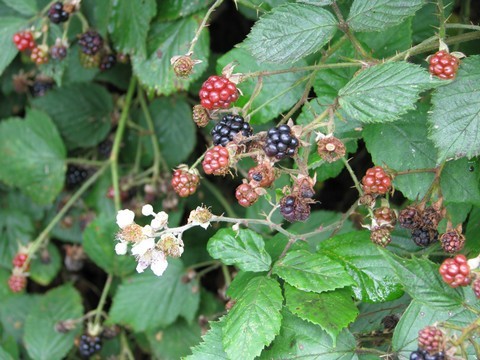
x: 57, y: 13
x: 422, y: 222
x: 75, y: 176
x: 420, y: 354
x: 280, y: 142
x: 89, y: 345
x: 226, y: 129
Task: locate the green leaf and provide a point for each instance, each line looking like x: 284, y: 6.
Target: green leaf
x: 246, y: 249
x: 24, y: 7
x: 14, y: 311
x: 459, y: 184
x: 333, y: 310
x: 374, y: 278
x: 472, y: 232
x: 99, y: 244
x: 173, y: 9
x: 211, y: 347
x: 165, y: 40
x: 312, y: 272
x: 239, y: 283
x: 167, y: 297
x: 175, y: 341
x: 423, y: 283
x: 130, y: 22
x: 278, y: 93
x: 16, y: 228
x: 45, y: 267
x: 172, y: 118
x: 254, y: 320
x: 41, y: 339
x: 300, y: 339
x: 378, y: 15
x: 81, y: 112
x: 34, y: 156
x: 383, y: 92
x: 290, y: 32
x: 455, y: 116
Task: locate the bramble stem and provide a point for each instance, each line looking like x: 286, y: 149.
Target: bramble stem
x: 103, y: 298
x: 353, y: 176
x: 202, y: 25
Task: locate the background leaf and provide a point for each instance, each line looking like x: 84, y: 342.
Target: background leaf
x: 10, y: 25
x: 383, y: 92
x: 246, y: 249
x: 312, y: 272
x: 41, y: 339
x: 254, y: 320
x: 24, y: 7
x: 455, y: 116
x: 332, y: 310
x: 377, y: 15
x: 211, y: 346
x: 45, y: 267
x: 290, y: 32
x: 81, y: 112
x: 173, y: 9
x: 34, y: 156
x: 168, y: 297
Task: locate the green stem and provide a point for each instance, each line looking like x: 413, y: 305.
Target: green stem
x: 126, y: 347
x: 157, y: 155
x: 353, y: 176
x: 441, y: 19
x: 195, y: 164
x: 221, y: 199
x: 226, y: 275
x: 202, y: 25
x: 463, y: 26
x: 83, y: 20
x: 38, y: 242
x: 85, y: 162
x: 103, y: 298
x: 118, y: 140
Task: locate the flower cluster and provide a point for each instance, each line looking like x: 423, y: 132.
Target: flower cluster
x: 152, y: 244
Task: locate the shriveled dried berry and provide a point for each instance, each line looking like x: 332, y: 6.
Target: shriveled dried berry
x: 330, y: 149
x: 262, y: 175
x: 294, y: 208
x: 246, y: 195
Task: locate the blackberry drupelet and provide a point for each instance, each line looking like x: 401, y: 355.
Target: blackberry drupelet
x: 280, y: 142
x: 228, y: 127
x: 75, y: 176
x: 89, y: 345
x: 107, y: 62
x: 57, y: 13
x: 91, y: 42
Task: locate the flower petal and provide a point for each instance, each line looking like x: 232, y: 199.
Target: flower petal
x: 121, y: 248
x: 125, y: 218
x: 147, y: 210
x: 159, y: 263
x: 139, y: 249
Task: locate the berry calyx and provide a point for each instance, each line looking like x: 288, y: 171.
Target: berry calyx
x: 39, y: 55
x: 57, y: 13
x: 185, y: 182
x: 200, y: 116
x: 107, y: 62
x: 246, y: 195
x: 376, y: 181
x: 452, y: 241
x: 455, y: 271
x: 262, y: 175
x: 330, y: 149
x: 280, y: 142
x: 217, y: 92
x: 424, y: 236
x: 216, y: 161
x: 89, y: 345
x: 443, y: 65
x: 227, y: 128
x: 294, y: 208
x: 91, y: 42
x: 381, y: 235
x: 17, y: 281
x: 24, y: 40
x: 431, y: 339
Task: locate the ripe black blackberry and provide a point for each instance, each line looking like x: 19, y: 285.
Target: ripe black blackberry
x: 294, y: 208
x: 280, y: 142
x: 228, y: 127
x: 89, y: 345
x: 424, y: 237
x: 107, y: 62
x: 75, y: 176
x: 58, y: 52
x: 420, y: 354
x: 105, y: 148
x: 41, y: 86
x: 57, y: 13
x: 91, y: 42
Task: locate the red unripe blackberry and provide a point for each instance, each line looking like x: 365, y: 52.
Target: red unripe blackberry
x: 330, y: 149
x: 226, y: 129
x: 280, y: 142
x: 184, y: 182
x: 294, y: 208
x: 376, y: 181
x: 217, y: 92
x: 262, y: 175
x: 381, y: 235
x: 39, y: 55
x: 200, y: 116
x: 410, y: 217
x: 431, y: 339
x: 452, y: 241
x: 57, y: 13
x: 17, y: 282
x: 476, y: 287
x: 24, y: 40
x: 455, y: 271
x: 384, y: 216
x: 424, y: 237
x: 246, y: 195
x: 443, y: 65
x: 91, y: 42
x: 19, y: 260
x: 107, y: 62
x: 89, y: 345
x: 216, y: 161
